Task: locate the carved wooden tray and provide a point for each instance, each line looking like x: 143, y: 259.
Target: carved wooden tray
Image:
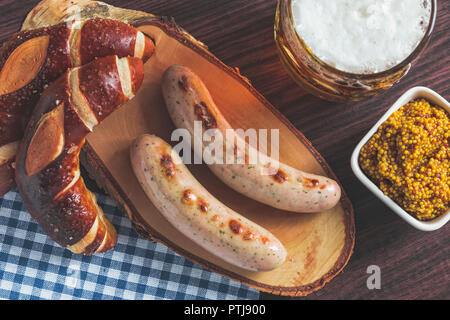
x: 319, y: 245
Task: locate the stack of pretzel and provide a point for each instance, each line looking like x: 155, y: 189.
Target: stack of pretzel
x: 56, y: 84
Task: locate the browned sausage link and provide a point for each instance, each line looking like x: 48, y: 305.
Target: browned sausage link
x: 266, y: 180
x: 31, y: 60
x: 194, y: 212
x: 49, y: 181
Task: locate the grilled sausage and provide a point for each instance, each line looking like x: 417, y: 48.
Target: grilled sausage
x: 191, y: 209
x: 267, y: 180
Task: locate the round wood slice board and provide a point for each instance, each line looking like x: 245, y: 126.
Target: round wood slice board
x: 319, y: 245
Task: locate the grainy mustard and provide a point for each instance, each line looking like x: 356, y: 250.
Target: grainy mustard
x: 408, y: 158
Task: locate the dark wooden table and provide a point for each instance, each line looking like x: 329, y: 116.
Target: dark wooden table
x: 413, y: 264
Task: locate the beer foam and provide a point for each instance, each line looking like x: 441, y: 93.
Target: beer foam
x: 361, y: 36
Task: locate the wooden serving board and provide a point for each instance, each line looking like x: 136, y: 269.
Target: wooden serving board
x: 319, y: 245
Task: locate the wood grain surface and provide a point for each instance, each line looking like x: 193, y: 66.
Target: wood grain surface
x: 413, y: 264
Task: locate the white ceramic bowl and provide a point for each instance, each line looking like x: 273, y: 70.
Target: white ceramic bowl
x: 413, y: 93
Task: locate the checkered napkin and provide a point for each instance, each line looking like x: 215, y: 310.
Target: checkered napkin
x: 33, y: 267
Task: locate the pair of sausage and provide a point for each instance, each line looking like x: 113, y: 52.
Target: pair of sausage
x: 190, y: 208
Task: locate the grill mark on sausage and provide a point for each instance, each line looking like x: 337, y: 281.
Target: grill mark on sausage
x: 202, y: 205
x: 248, y: 236
x: 190, y: 198
x: 235, y: 226
x: 168, y: 165
x: 183, y: 83
x: 205, y: 115
x: 280, y: 176
x: 310, y: 183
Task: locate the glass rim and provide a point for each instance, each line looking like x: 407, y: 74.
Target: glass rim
x: 367, y: 76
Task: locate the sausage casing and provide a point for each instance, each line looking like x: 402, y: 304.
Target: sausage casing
x: 286, y: 188
x: 191, y: 209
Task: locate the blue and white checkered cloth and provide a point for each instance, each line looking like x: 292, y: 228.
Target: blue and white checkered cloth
x: 33, y: 267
